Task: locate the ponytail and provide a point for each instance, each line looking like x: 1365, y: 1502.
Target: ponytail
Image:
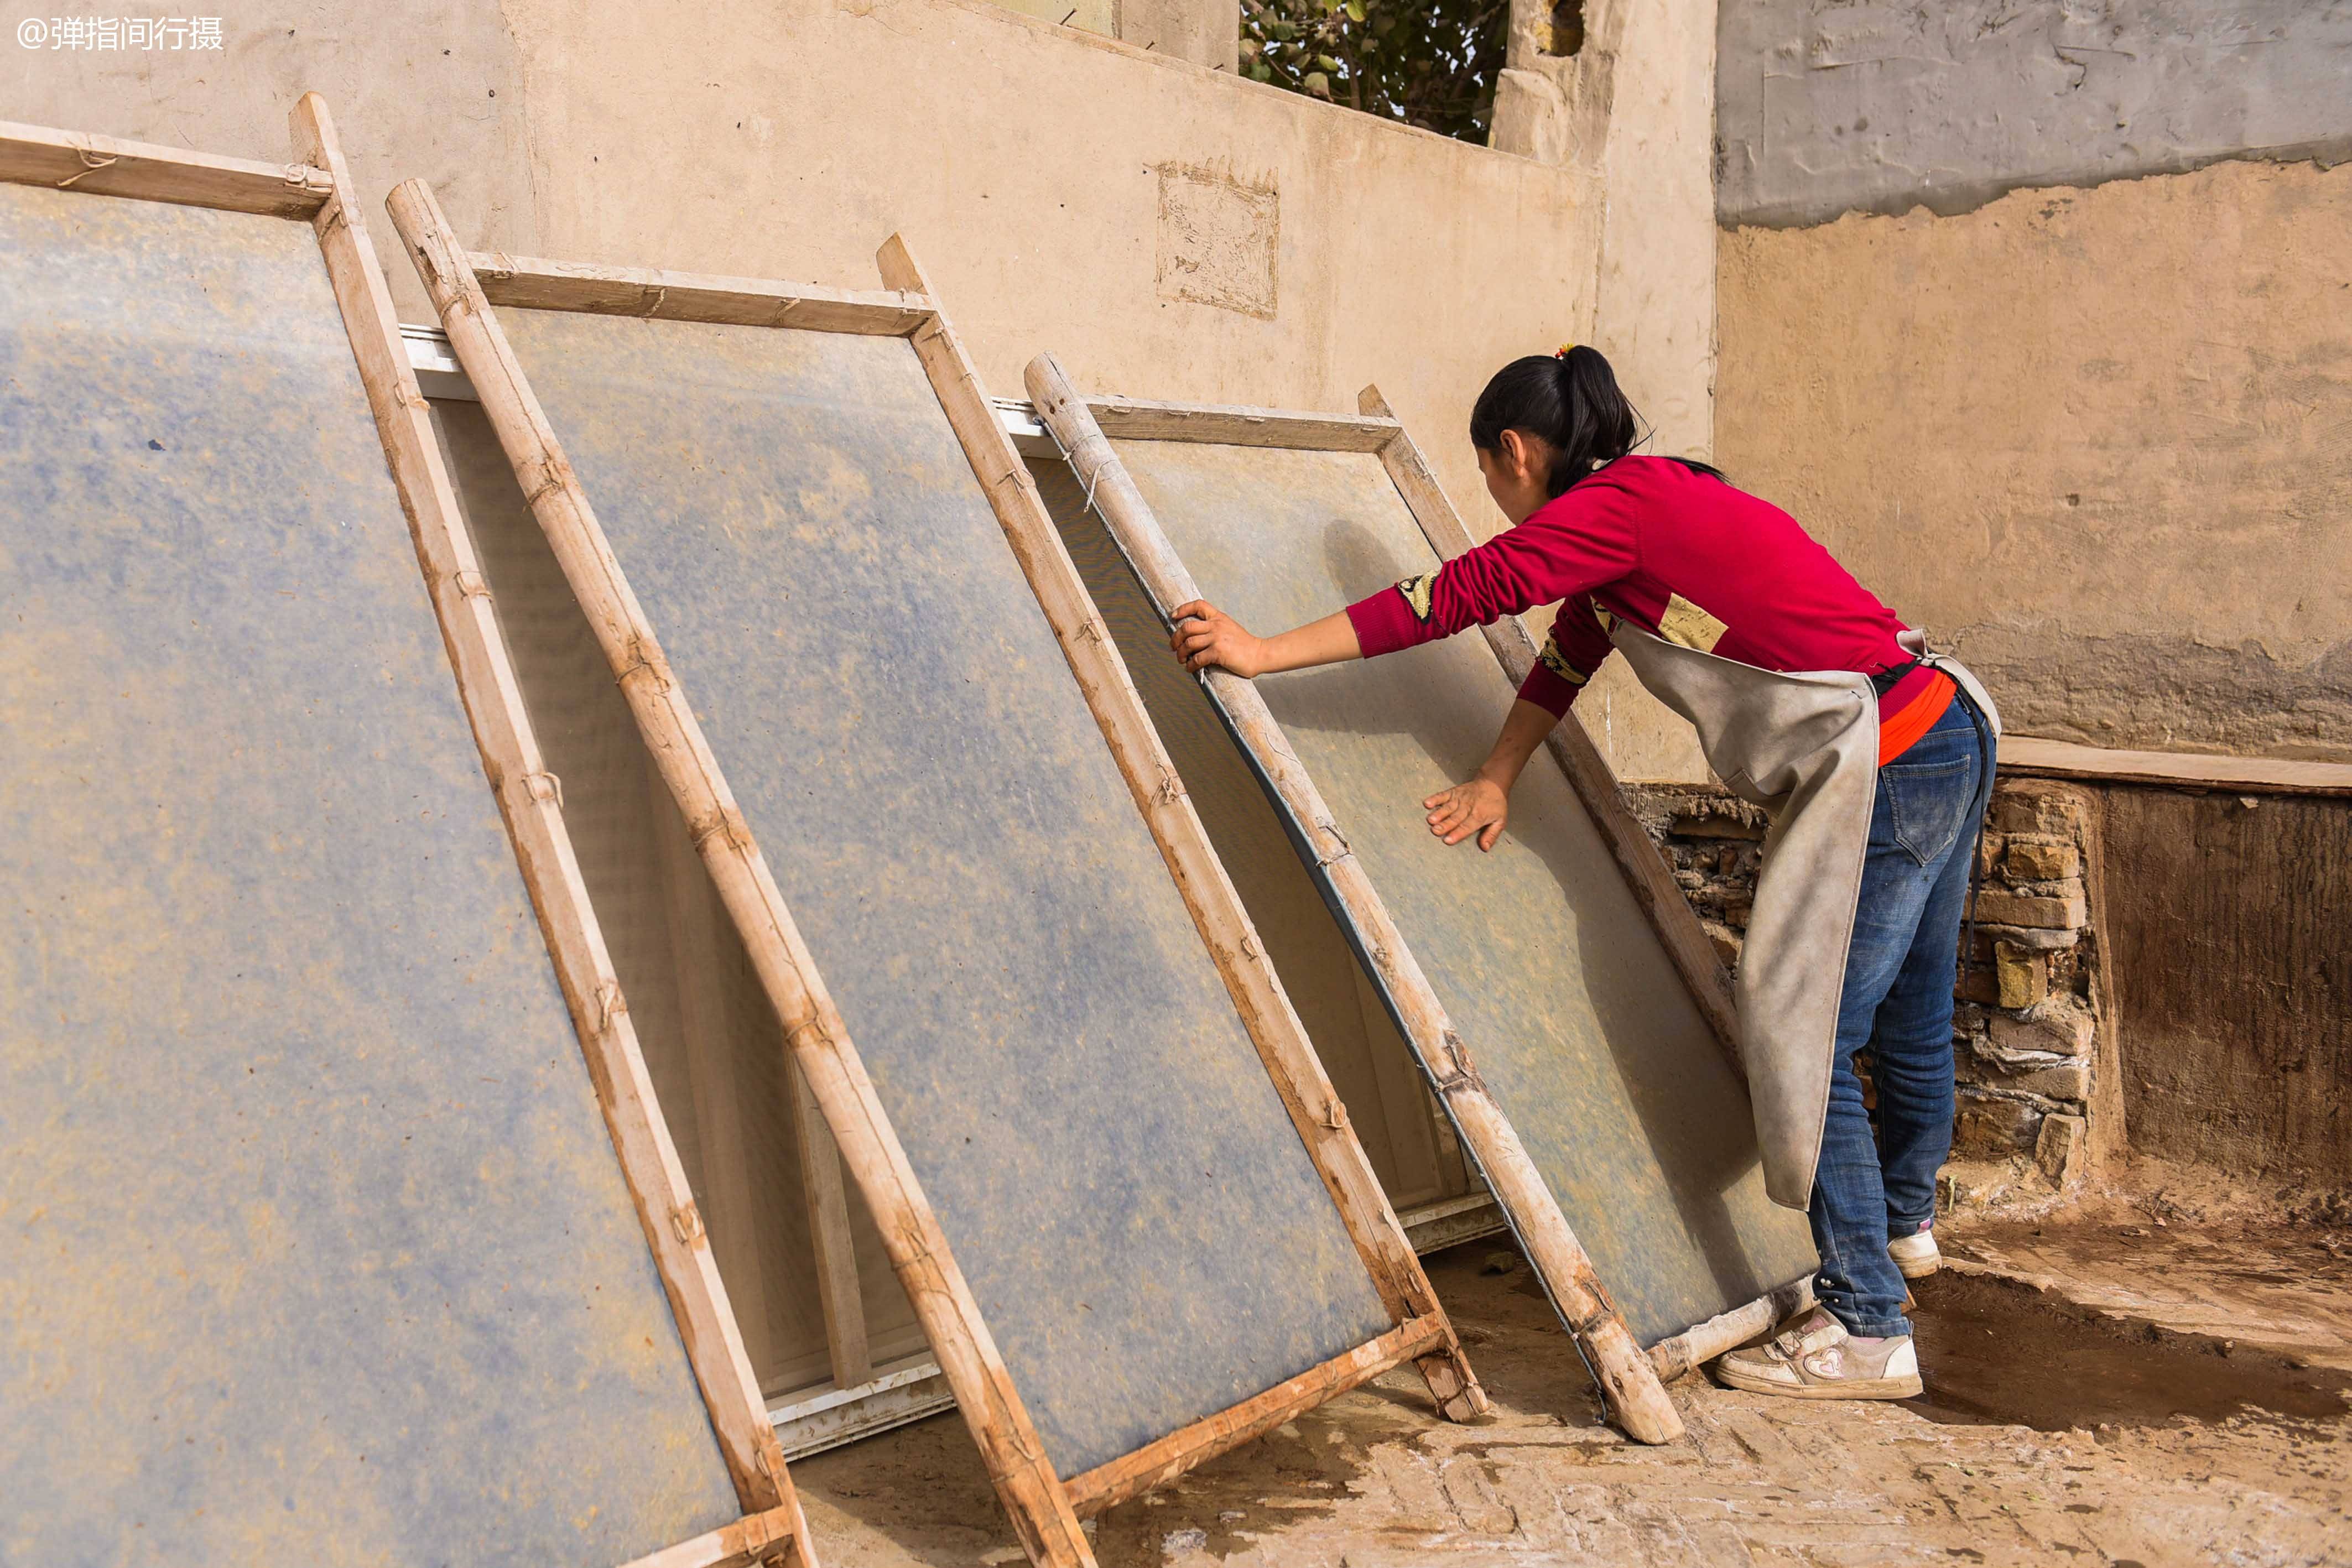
x: 1571, y: 401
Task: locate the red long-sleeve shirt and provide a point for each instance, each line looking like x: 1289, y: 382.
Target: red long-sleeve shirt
x: 1677, y: 552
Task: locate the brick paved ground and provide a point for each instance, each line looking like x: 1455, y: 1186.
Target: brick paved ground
x: 1370, y: 1481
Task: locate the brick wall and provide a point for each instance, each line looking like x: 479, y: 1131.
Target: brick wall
x: 2028, y: 1020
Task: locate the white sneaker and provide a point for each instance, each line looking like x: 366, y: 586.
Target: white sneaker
x: 1915, y: 1255
x: 1817, y: 1359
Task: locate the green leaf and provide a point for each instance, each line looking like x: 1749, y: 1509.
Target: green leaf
x: 1317, y: 83
x: 1355, y: 9
x: 1326, y: 62
x: 1261, y: 72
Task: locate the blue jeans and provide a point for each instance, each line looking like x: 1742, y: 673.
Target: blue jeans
x: 1898, y: 1003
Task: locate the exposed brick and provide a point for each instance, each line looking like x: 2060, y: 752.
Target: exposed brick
x: 2021, y: 976
x: 2069, y: 1079
x: 2036, y: 808
x: 1716, y: 828
x: 1728, y: 942
x: 2029, y: 937
x: 2058, y: 1147
x: 2058, y: 1029
x: 1989, y: 846
x: 2030, y: 861
x: 1995, y: 1125
x: 2058, y: 912
x: 1977, y: 984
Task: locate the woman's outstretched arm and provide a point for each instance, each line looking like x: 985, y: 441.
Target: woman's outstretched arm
x: 1205, y: 636
x: 1483, y: 805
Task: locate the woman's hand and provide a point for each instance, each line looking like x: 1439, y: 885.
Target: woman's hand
x: 1480, y: 807
x: 1206, y: 635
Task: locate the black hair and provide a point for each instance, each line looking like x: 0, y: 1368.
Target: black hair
x: 1570, y: 400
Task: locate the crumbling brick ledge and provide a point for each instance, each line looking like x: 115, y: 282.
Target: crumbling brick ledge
x: 2032, y: 1028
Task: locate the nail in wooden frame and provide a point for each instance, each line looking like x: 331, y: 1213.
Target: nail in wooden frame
x: 1045, y: 1507
x: 1630, y: 1379
x: 317, y: 189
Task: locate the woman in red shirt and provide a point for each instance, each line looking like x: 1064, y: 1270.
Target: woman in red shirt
x: 1810, y: 697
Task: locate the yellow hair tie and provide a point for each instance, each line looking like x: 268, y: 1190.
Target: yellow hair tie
x: 1564, y: 350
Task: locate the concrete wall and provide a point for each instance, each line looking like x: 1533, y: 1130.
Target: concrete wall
x: 2091, y: 437
x: 1206, y: 32
x: 1831, y: 107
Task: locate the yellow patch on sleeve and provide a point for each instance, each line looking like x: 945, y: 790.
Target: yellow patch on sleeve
x: 1417, y: 591
x: 1688, y: 624
x: 1551, y: 660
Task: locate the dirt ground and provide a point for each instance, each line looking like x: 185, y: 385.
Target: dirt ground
x: 2058, y: 1426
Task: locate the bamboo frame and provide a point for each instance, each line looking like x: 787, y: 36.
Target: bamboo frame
x: 317, y: 189
x: 102, y: 166
x: 1043, y: 1508
x: 1627, y: 1378
x: 532, y: 803
x: 754, y: 1539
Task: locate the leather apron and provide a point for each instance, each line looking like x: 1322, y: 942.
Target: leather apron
x: 1805, y: 748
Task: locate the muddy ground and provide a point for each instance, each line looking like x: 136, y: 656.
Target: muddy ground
x: 2052, y: 1430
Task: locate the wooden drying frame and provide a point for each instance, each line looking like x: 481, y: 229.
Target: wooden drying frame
x: 317, y: 189
x: 1084, y: 427
x: 1045, y: 1507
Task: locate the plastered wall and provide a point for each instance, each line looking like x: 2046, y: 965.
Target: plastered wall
x: 2091, y: 436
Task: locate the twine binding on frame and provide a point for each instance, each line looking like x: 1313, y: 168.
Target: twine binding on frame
x: 92, y: 161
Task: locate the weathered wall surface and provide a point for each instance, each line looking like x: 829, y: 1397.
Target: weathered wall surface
x: 2237, y: 1045
x: 2091, y: 435
x: 2094, y: 440
x: 428, y: 90
x: 1829, y: 108
x: 1206, y: 32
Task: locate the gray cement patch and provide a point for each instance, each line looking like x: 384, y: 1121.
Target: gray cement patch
x: 1824, y: 108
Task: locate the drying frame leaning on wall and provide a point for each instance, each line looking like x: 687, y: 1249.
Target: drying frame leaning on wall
x: 1083, y: 427
x: 316, y: 189
x: 466, y: 288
